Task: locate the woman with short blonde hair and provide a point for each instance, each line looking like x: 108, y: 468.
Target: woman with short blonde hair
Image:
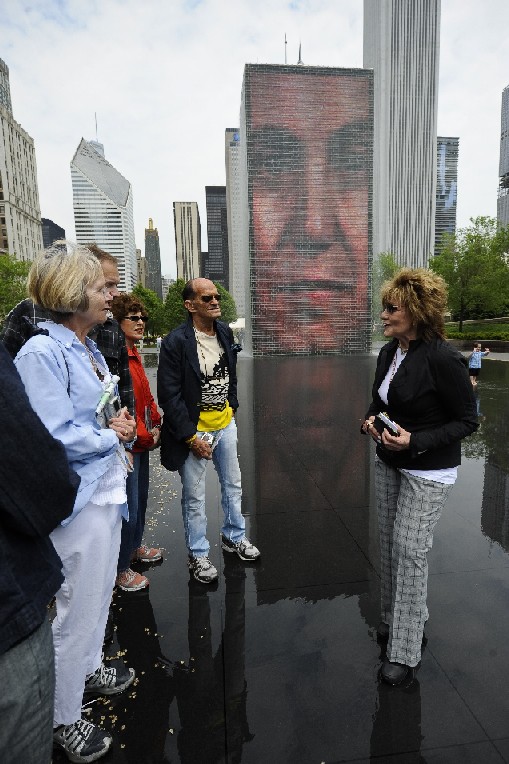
x: 422, y: 406
x: 70, y: 388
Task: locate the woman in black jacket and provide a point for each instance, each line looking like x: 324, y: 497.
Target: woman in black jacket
x: 422, y: 384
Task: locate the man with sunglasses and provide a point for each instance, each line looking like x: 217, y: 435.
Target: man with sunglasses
x: 197, y: 391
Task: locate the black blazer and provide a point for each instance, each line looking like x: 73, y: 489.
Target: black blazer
x: 431, y: 397
x: 179, y: 388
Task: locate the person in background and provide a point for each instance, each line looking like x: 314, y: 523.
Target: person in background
x: 67, y: 383
x: 197, y: 391
x: 38, y: 491
x: 474, y: 362
x: 131, y: 316
x: 421, y: 382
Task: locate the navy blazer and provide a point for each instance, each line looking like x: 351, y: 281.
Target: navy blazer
x: 179, y: 388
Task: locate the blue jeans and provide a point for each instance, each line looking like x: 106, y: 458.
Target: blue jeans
x: 26, y: 700
x: 192, y: 474
x: 137, y: 496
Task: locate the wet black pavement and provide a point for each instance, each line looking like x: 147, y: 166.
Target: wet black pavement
x: 279, y: 662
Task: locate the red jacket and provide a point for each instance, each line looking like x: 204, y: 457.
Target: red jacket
x: 144, y: 402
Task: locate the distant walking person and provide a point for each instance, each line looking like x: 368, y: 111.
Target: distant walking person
x: 158, y: 343
x: 474, y: 362
x: 197, y: 391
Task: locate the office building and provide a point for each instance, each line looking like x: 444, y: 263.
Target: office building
x: 447, y: 188
x: 236, y: 264
x: 20, y: 213
x: 306, y: 157
x: 103, y: 209
x: 153, y: 259
x: 217, y: 235
x: 401, y: 45
x: 166, y: 282
x: 51, y: 232
x: 503, y: 186
x: 141, y: 267
x: 186, y: 219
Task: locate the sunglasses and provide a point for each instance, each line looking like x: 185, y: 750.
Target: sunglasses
x: 135, y: 319
x: 390, y: 308
x: 209, y: 297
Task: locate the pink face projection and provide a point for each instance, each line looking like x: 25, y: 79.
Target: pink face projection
x: 309, y: 137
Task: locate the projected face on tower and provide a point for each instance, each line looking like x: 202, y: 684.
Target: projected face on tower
x: 309, y: 143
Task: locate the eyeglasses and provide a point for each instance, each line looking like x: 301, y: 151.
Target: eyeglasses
x: 135, y: 319
x: 390, y: 308
x: 210, y: 297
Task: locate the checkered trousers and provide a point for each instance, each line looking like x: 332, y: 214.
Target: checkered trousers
x: 408, y: 509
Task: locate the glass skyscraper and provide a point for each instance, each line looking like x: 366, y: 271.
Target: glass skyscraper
x: 153, y: 260
x: 447, y: 188
x: 217, y: 235
x: 103, y: 209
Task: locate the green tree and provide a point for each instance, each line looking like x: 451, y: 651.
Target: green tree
x: 384, y: 268
x: 13, y: 280
x: 176, y: 314
x: 474, y: 264
x: 154, y: 307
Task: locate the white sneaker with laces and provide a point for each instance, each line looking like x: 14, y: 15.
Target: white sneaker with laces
x: 82, y: 741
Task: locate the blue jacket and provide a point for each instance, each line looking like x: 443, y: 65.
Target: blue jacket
x: 37, y: 491
x: 179, y: 388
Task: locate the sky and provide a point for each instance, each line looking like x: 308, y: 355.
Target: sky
x: 164, y: 78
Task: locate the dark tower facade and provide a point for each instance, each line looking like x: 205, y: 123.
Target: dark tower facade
x: 153, y: 260
x: 51, y: 232
x: 217, y: 265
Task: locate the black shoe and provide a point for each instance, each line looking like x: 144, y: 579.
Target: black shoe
x: 82, y: 741
x: 243, y: 548
x: 398, y: 674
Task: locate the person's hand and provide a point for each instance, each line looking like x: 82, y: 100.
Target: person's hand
x: 368, y: 427
x: 124, y: 424
x: 156, y: 434
x: 201, y: 449
x: 399, y: 442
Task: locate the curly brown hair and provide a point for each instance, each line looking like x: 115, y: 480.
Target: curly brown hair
x: 123, y: 304
x: 424, y: 295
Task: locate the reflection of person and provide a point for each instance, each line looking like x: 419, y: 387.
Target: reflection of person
x: 131, y: 316
x: 37, y: 492
x: 197, y: 391
x: 474, y: 362
x: 422, y: 383
x: 310, y: 148
x: 212, y: 691
x: 66, y: 377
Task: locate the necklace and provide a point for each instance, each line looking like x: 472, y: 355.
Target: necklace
x: 201, y: 349
x: 395, y: 365
x: 100, y: 372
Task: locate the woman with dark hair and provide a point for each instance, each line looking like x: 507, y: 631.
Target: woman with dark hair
x: 69, y: 386
x: 423, y: 392
x: 131, y: 315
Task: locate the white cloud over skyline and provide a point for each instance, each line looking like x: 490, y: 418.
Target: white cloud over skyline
x: 165, y: 78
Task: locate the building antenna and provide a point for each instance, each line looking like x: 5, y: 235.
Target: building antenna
x: 285, y: 47
x: 95, y: 114
x: 300, y: 61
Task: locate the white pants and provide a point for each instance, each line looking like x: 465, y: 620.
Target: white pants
x: 88, y: 548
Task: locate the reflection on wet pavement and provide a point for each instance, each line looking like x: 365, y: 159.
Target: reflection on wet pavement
x: 279, y: 661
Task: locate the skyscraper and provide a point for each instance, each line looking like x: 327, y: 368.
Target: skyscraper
x: 186, y: 219
x: 503, y: 186
x: 51, y: 232
x: 447, y: 188
x: 103, y: 209
x: 153, y: 260
x: 236, y: 263
x: 401, y: 45
x: 306, y: 148
x: 20, y: 213
x: 217, y: 235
